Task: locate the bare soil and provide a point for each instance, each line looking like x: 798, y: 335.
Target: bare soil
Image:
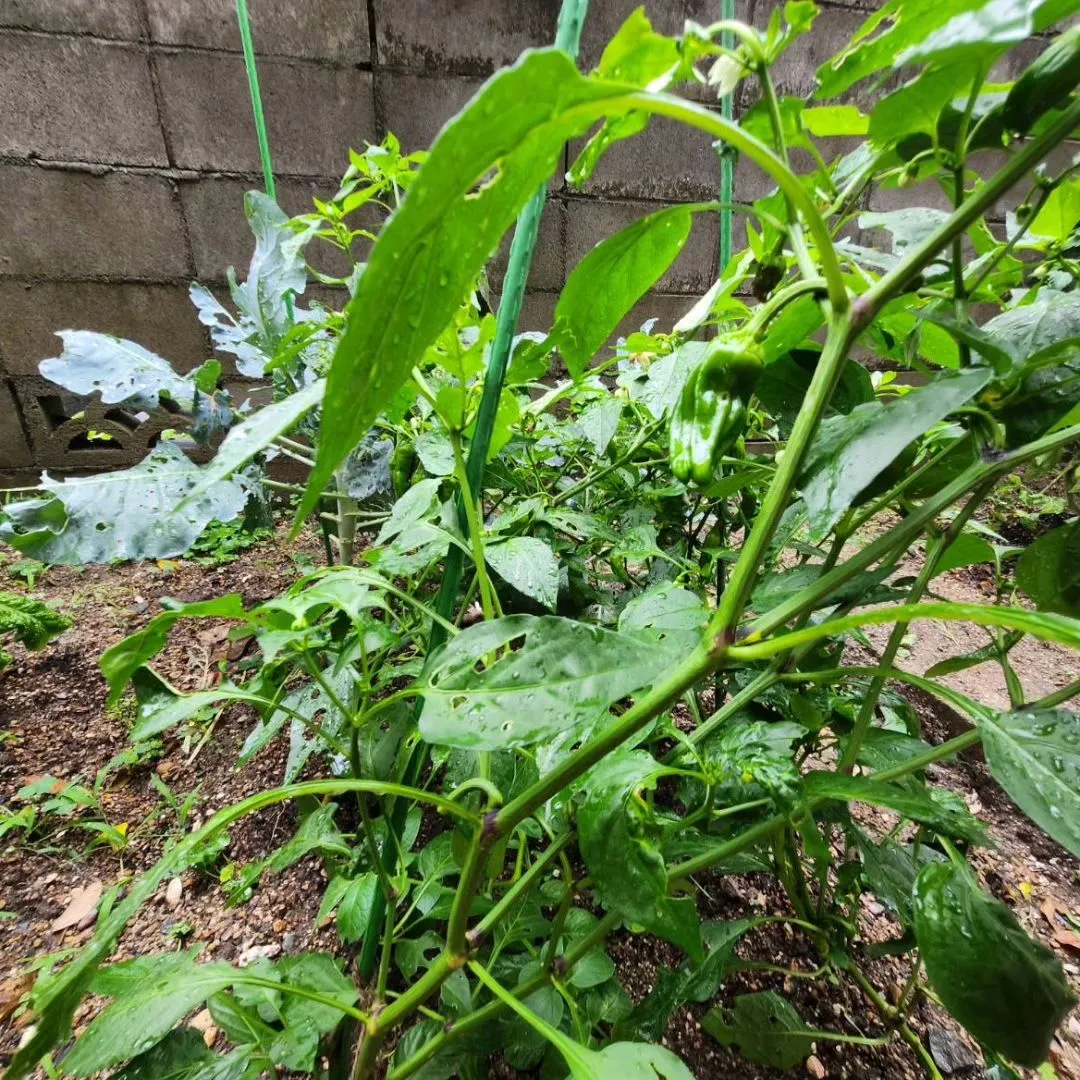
x: 53, y: 719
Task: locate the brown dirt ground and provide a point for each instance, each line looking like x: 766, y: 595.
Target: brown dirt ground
x: 53, y: 719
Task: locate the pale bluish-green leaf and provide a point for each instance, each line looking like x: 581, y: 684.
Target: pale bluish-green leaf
x: 600, y: 422
x: 119, y: 371
x: 564, y: 674
x: 154, y: 510
x: 413, y: 506
x: 529, y: 565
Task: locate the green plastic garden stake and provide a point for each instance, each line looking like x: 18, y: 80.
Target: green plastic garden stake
x: 727, y: 164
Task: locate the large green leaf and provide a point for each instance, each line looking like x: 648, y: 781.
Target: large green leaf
x: 529, y: 564
x: 120, y: 371
x: 145, y: 512
x: 618, y: 837
x: 487, y: 162
x: 149, y: 1007
x: 182, y: 1055
x: 851, y: 451
x: 612, y: 278
x: 891, y: 869
x: 1049, y: 570
x: 905, y: 32
x: 766, y: 1028
x: 480, y: 695
x: 1044, y: 399
x: 1006, y: 989
x: 1035, y: 756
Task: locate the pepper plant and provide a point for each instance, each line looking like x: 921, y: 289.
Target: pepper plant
x: 640, y: 678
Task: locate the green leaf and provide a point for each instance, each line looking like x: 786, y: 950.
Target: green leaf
x: 702, y: 982
x: 355, y: 906
x: 612, y: 278
x: 600, y: 422
x: 1035, y: 756
x: 29, y: 621
x: 667, y: 376
x: 677, y: 921
x: 890, y: 871
x: 149, y: 511
x: 825, y: 121
x: 851, y: 451
x: 148, y: 1009
x: 255, y: 434
x: 181, y: 1055
x: 414, y: 506
x: 565, y: 674
x: 914, y: 108
x: 905, y: 32
x: 318, y: 972
x: 973, y: 658
x: 618, y: 836
x: 914, y: 804
x: 241, y: 1025
x: 664, y: 607
x: 766, y: 1028
x: 119, y: 371
x: 528, y: 564
x: 1049, y: 570
x: 120, y: 661
x: 484, y: 166
x: 1006, y: 989
x: 966, y: 550
x: 783, y: 385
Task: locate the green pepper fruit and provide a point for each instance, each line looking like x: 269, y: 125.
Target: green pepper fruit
x: 401, y: 467
x: 1046, y: 84
x: 711, y: 413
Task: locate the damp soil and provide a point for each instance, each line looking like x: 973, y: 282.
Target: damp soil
x: 54, y: 721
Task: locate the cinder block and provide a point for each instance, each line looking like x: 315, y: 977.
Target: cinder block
x: 314, y: 114
x: 415, y: 107
x: 15, y: 452
x: 103, y: 18
x: 318, y: 29
x: 548, y: 270
x: 58, y: 223
x: 589, y: 222
x: 59, y: 424
x: 219, y: 231
x: 75, y: 99
x: 159, y: 317
x: 538, y: 311
x: 460, y: 36
x: 668, y: 161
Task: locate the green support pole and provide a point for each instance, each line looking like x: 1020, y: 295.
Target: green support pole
x: 567, y: 38
x: 727, y: 163
x: 256, y: 96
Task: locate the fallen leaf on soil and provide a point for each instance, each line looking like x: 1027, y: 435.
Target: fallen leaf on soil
x: 11, y: 992
x: 1070, y: 939
x: 82, y: 903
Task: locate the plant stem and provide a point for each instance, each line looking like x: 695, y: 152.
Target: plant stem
x: 593, y: 478
x: 475, y: 530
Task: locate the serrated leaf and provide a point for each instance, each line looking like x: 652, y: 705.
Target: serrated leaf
x: 29, y: 621
x: 153, y: 510
x: 528, y: 564
x: 1006, y: 989
x: 564, y: 674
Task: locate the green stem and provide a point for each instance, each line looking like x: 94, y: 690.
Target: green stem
x: 475, y: 530
x: 594, y: 478
x: 1057, y: 697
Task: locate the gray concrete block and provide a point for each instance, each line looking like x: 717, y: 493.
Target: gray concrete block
x: 668, y: 161
x: 318, y: 29
x: 59, y: 424
x: 15, y: 452
x: 548, y: 271
x: 415, y: 107
x: 75, y: 99
x: 63, y: 224
x: 461, y: 36
x: 104, y: 18
x: 314, y: 114
x: 219, y: 232
x: 538, y: 311
x: 589, y: 222
x: 158, y: 317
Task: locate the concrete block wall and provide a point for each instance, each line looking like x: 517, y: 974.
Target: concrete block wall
x: 126, y: 143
